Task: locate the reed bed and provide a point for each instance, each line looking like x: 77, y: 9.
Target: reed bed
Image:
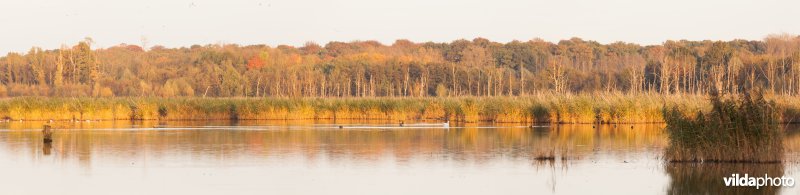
x: 741, y: 129
x: 537, y: 108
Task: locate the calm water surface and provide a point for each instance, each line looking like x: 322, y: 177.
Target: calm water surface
x: 307, y: 157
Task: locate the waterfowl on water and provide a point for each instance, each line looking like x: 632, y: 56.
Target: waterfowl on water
x: 446, y: 124
x: 402, y: 123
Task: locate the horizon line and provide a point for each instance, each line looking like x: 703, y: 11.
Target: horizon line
x: 224, y: 43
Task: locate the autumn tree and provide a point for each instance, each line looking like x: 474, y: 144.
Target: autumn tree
x: 478, y: 67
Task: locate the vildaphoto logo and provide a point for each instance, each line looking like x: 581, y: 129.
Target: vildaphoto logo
x: 758, y: 182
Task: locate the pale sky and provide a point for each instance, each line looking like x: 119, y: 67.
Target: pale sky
x: 175, y: 23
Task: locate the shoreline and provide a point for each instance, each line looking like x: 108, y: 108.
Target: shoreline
x: 602, y: 108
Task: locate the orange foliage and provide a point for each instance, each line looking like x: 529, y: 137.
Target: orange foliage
x: 255, y: 62
x: 294, y: 59
x: 134, y: 48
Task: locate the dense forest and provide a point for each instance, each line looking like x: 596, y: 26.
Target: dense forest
x: 478, y: 67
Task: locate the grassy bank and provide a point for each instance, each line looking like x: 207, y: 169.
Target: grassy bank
x: 541, y: 108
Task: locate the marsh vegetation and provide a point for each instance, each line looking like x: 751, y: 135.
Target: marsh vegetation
x: 738, y: 129
x: 540, y: 108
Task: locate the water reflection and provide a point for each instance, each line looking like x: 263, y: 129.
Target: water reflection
x: 46, y: 147
x: 251, y: 142
x: 706, y: 178
x: 602, y: 159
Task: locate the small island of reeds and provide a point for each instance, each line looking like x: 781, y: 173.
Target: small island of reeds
x: 738, y: 129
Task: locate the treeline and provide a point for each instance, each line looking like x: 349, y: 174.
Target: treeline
x: 368, y: 68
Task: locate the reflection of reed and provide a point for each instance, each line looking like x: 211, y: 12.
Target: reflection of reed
x: 706, y: 178
x: 46, y: 148
x: 551, y: 164
x: 791, y: 143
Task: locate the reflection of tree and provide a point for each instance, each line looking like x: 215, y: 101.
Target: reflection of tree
x: 277, y: 139
x: 706, y: 178
x: 471, y: 145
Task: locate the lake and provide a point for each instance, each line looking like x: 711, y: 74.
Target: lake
x: 319, y: 157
